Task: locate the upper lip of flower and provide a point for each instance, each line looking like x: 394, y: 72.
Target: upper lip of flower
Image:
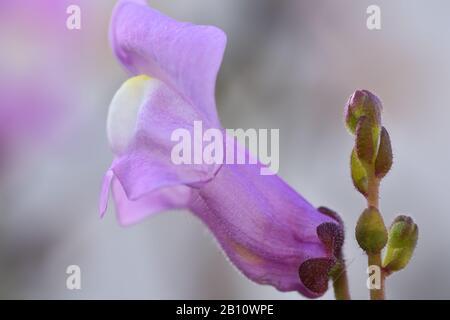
x: 195, y: 52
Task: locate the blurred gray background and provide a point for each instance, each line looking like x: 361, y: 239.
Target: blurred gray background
x: 289, y: 64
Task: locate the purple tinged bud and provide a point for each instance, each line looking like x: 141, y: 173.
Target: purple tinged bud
x: 362, y: 103
x: 384, y: 159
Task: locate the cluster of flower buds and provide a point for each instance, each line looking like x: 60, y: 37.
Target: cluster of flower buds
x: 371, y: 160
x: 372, y: 154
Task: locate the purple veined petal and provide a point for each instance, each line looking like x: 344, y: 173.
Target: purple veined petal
x: 186, y: 57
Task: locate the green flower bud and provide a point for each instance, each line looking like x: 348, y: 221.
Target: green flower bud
x: 383, y: 162
x: 359, y: 174
x: 367, y: 137
x: 403, y: 236
x: 362, y: 103
x: 370, y: 231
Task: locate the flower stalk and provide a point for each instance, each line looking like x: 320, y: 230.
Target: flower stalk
x: 340, y: 281
x: 374, y: 259
x: 371, y: 160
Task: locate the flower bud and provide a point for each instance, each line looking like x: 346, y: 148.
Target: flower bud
x: 362, y: 103
x: 367, y: 136
x: 383, y: 162
x: 359, y: 174
x: 403, y: 236
x: 371, y: 232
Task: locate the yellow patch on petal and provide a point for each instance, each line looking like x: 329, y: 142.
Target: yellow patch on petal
x: 124, y: 109
x: 246, y: 255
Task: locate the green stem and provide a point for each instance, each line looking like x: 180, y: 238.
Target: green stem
x: 375, y: 259
x: 340, y: 283
x: 377, y: 294
x: 373, y: 191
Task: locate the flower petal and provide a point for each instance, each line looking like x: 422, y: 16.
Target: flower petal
x: 265, y: 227
x: 142, y: 117
x: 146, y: 163
x: 186, y: 57
x: 124, y: 109
x: 131, y: 212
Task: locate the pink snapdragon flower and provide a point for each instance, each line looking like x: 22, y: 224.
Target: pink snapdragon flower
x: 268, y: 231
